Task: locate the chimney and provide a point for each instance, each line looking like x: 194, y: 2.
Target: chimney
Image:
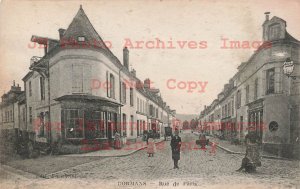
x: 126, y: 58
x: 147, y: 83
x: 14, y: 87
x: 61, y: 32
x: 133, y: 72
x: 267, y: 15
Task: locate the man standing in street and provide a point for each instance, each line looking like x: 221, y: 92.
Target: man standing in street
x: 175, y: 146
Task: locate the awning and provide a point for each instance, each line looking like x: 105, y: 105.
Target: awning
x: 90, y: 98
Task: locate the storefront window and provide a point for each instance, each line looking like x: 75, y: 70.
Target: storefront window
x: 98, y: 124
x: 74, y: 124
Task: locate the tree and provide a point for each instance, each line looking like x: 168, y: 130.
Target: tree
x: 185, y: 125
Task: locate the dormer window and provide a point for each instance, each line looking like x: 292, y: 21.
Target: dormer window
x: 274, y: 32
x: 81, y: 39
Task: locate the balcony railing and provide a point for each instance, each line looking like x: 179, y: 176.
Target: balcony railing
x: 34, y: 60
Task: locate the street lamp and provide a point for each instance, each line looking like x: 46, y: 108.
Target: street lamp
x: 288, y: 68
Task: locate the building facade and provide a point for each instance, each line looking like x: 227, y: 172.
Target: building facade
x: 80, y: 92
x: 261, y: 95
x: 13, y: 118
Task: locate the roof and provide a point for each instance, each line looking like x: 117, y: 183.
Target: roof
x: 28, y: 75
x: 81, y: 26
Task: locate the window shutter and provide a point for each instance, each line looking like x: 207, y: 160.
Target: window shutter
x: 87, y: 78
x: 77, y: 78
x: 107, y: 85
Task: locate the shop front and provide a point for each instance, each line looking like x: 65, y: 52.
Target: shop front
x: 89, y: 119
x: 255, y: 117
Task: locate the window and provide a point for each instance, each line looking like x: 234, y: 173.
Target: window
x: 241, y: 126
x: 11, y: 116
x: 151, y: 109
x: 77, y: 78
x: 42, y: 88
x: 24, y: 115
x: 247, y: 93
x: 232, y: 106
x: 255, y: 88
x: 30, y: 88
x: 124, y: 92
x: 81, y: 39
x: 238, y: 99
x: 138, y: 127
x: 107, y: 85
x: 41, y: 124
x: 131, y: 125
x: 74, y: 124
x: 131, y: 96
x: 112, y: 85
x: 273, y: 126
x: 5, y: 117
x: 274, y: 31
x: 229, y: 109
x: 97, y: 125
x: 223, y: 112
x: 30, y: 114
x: 124, y: 125
x: 270, y: 81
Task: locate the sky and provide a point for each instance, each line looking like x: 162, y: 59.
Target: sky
x: 196, y: 29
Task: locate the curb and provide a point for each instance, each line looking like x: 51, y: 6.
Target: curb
x: 19, y: 172
x: 241, y: 153
x: 121, y: 155
x: 48, y: 176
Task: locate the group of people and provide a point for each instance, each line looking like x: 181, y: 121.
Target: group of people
x: 250, y: 161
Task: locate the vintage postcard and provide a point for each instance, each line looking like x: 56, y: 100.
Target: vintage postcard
x: 150, y: 94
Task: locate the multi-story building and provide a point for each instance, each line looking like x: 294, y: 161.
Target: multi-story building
x: 261, y: 95
x: 12, y: 109
x: 13, y: 118
x: 80, y: 91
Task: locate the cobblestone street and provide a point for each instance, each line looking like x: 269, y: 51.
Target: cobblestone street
x: 195, y: 164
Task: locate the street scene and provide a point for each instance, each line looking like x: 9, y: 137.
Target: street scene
x: 197, y: 168
x: 156, y: 94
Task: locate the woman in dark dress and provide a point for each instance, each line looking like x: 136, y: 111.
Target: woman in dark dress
x: 175, y: 146
x: 252, y: 156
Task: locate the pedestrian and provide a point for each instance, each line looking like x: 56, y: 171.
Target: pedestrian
x: 203, y: 141
x: 117, y: 140
x: 252, y: 156
x: 150, y: 145
x: 175, y: 146
x: 213, y: 148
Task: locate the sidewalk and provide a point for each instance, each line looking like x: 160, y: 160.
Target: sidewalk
x: 241, y: 149
x: 124, y: 151
x: 238, y: 149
